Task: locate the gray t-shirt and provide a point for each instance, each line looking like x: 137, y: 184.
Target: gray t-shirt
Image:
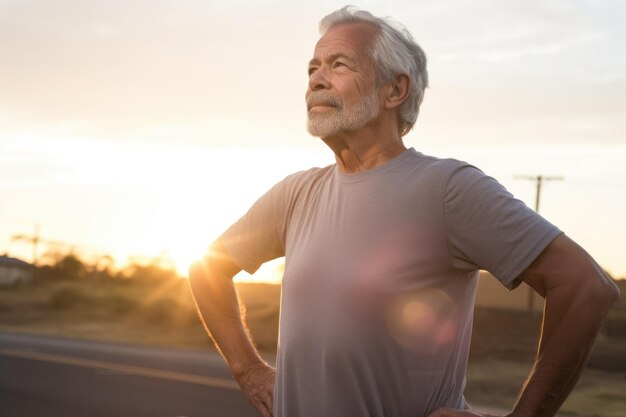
x: 380, y: 280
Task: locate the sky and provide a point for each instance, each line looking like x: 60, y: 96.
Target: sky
x: 145, y: 128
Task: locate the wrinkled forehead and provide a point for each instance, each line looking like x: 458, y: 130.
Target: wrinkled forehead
x: 352, y: 39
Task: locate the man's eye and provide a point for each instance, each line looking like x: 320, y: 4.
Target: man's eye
x: 312, y: 70
x: 339, y: 64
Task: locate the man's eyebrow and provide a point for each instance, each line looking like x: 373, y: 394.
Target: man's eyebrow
x: 331, y: 58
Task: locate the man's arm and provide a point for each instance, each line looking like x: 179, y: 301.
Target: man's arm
x: 578, y: 296
x: 216, y: 299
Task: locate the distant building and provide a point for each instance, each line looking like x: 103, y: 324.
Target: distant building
x: 14, y: 271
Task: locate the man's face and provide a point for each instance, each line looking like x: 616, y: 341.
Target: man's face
x: 342, y: 94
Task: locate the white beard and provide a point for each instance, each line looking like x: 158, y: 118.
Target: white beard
x: 342, y: 118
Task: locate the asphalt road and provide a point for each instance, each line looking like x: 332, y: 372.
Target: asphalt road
x: 54, y: 376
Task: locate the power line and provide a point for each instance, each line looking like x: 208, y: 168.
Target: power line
x: 36, y: 239
x: 539, y: 179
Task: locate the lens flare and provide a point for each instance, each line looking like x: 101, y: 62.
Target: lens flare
x: 422, y: 321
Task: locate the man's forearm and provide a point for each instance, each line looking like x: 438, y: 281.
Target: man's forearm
x: 572, y: 320
x: 216, y: 300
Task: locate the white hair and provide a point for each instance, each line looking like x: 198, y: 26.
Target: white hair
x: 395, y: 52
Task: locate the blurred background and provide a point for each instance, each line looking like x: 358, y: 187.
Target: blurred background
x: 133, y: 133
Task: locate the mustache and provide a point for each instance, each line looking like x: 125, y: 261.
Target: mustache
x: 323, y: 98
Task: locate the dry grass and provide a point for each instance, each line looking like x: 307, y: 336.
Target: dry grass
x: 155, y: 315
x: 497, y: 382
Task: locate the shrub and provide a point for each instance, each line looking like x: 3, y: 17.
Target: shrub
x: 68, y: 297
x: 159, y: 311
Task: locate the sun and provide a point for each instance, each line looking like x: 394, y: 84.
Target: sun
x: 193, y: 196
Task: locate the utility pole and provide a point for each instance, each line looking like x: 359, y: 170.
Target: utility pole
x: 539, y: 179
x: 102, y: 262
x: 35, y: 240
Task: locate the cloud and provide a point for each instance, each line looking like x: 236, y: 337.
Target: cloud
x: 235, y: 71
x: 513, y: 53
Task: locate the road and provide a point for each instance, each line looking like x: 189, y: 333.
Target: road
x: 61, y: 377
x: 55, y: 376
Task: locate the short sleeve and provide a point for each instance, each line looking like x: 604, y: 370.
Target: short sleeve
x: 258, y: 236
x: 489, y: 229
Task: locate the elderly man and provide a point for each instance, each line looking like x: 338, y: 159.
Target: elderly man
x: 382, y: 251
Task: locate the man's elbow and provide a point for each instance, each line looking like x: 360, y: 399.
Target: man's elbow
x: 613, y: 293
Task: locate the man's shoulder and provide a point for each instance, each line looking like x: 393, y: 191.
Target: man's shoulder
x: 434, y: 160
x: 310, y: 173
x: 418, y: 163
x: 300, y: 180
x: 440, y: 166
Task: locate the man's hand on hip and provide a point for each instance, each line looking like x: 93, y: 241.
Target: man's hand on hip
x: 258, y: 386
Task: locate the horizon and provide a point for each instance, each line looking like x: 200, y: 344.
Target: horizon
x: 270, y: 273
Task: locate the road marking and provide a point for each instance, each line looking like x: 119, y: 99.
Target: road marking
x: 126, y: 369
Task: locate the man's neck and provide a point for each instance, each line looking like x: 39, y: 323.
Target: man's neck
x: 360, y: 151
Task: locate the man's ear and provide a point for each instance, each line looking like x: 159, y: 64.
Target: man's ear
x: 398, y: 91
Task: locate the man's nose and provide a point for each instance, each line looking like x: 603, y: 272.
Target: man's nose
x: 318, y: 80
